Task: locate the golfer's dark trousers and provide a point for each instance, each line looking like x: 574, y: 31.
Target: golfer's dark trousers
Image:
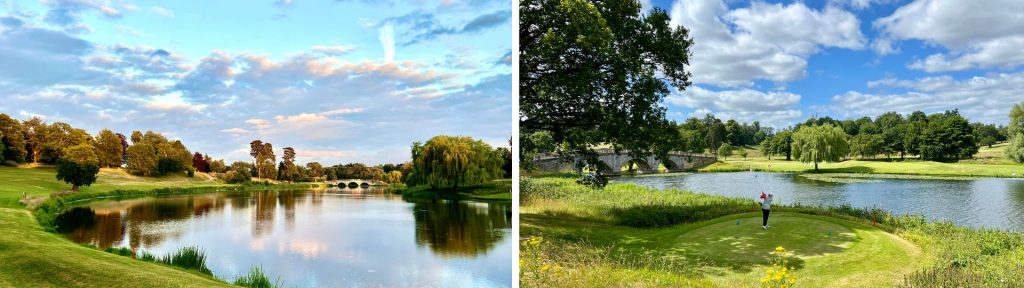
x: 764, y: 216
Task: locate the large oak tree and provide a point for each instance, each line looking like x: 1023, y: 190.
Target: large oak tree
x: 595, y: 72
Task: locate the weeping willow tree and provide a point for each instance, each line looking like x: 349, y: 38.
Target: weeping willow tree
x: 820, y: 144
x: 450, y: 162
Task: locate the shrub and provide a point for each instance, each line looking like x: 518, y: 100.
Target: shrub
x: 191, y: 172
x: 256, y: 279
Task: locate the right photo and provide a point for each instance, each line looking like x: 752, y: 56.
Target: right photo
x: 722, y: 143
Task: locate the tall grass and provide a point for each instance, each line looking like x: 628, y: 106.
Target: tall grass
x: 190, y: 258
x: 256, y: 279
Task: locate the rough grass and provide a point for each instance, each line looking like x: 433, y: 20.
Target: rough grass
x: 587, y: 244
x: 32, y: 257
x: 256, y: 279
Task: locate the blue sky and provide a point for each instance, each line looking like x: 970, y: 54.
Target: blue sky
x: 340, y: 81
x: 782, y: 62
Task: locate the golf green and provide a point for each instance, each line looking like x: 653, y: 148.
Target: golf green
x: 826, y: 251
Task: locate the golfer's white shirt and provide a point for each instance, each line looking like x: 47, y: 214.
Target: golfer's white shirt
x: 767, y: 203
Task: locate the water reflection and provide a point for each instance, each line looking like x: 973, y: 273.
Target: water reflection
x: 326, y: 237
x: 459, y: 228
x: 990, y: 202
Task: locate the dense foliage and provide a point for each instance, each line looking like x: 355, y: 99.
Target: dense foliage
x: 1015, y: 151
x: 820, y: 144
x: 451, y: 162
x: 78, y: 166
x: 595, y: 72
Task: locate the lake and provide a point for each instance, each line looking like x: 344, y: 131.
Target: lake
x: 984, y: 202
x: 331, y: 237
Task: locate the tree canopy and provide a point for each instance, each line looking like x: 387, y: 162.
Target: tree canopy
x: 451, y: 162
x: 595, y: 72
x: 820, y: 144
x: 78, y: 166
x: 1015, y: 130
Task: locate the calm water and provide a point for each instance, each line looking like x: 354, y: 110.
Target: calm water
x: 988, y: 202
x: 317, y: 238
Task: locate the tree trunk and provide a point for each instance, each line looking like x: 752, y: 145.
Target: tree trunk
x: 74, y: 188
x: 815, y: 166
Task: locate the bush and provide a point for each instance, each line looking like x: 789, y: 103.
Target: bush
x: 166, y: 166
x: 256, y: 279
x: 190, y: 172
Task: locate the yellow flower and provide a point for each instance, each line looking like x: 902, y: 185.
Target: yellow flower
x: 780, y: 249
x: 545, y: 267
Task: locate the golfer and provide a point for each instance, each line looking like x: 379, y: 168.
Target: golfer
x: 766, y: 208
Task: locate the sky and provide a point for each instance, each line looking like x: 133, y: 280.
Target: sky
x: 782, y: 62
x: 340, y: 81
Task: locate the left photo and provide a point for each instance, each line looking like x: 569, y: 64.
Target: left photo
x: 256, y: 144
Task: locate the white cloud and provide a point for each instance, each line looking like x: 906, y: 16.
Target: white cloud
x: 991, y: 35
x: 162, y: 12
x: 387, y: 42
x: 983, y: 98
x: 764, y: 41
x: 333, y: 50
x: 173, y: 101
x: 746, y: 105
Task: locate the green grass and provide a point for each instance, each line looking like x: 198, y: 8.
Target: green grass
x: 256, y: 279
x: 30, y: 256
x: 589, y: 238
x: 41, y: 181
x: 906, y: 167
x: 497, y: 190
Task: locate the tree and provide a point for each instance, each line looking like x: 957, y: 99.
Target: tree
x: 782, y: 144
x: 450, y: 162
x: 142, y: 159
x: 596, y: 72
x: 13, y: 139
x: 866, y: 145
x: 1015, y: 132
x: 948, y: 137
x: 256, y: 151
x: 218, y: 166
x: 315, y: 169
x: 915, y: 125
x: 725, y: 150
x: 820, y: 144
x: 200, y: 162
x: 394, y: 176
x: 60, y: 135
x: 506, y: 159
x: 78, y: 166
x: 891, y: 126
x: 743, y: 153
x: 111, y: 152
x: 34, y: 130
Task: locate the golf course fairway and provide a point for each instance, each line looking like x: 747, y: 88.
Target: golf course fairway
x: 734, y: 251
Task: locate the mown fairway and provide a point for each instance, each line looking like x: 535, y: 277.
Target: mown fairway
x: 41, y: 181
x: 989, y: 162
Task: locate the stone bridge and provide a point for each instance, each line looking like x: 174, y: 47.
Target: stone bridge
x: 612, y: 163
x: 353, y: 183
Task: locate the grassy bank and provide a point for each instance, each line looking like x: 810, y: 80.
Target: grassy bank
x: 31, y: 256
x: 988, y: 162
x: 906, y: 167
x: 40, y: 181
x: 497, y: 190
x: 627, y: 235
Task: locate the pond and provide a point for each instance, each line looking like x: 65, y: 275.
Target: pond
x: 316, y: 238
x: 984, y: 202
